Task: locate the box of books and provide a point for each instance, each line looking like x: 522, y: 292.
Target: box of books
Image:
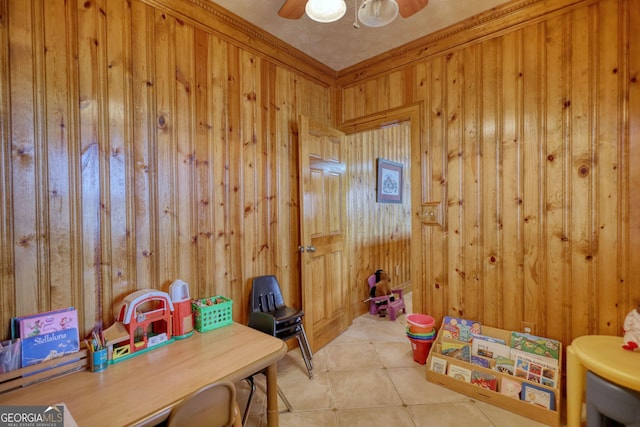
x: 514, y: 371
x: 47, y: 335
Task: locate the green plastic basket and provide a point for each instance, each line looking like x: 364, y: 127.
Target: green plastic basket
x: 209, y: 317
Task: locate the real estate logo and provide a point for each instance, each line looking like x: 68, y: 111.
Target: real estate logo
x: 31, y: 416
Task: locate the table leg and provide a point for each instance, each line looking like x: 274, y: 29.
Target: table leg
x: 272, y: 396
x: 575, y: 388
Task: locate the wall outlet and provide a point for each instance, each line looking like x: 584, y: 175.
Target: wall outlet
x: 529, y: 328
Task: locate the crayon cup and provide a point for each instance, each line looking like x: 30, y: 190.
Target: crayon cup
x: 98, y: 360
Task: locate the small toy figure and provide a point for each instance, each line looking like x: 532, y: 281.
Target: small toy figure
x: 383, y: 284
x: 631, y: 339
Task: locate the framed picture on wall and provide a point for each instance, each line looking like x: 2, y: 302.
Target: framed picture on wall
x: 389, y: 182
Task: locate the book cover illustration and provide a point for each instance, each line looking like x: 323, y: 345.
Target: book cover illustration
x: 489, y: 347
x: 50, y: 321
x: 510, y: 387
x: 505, y: 365
x: 536, y: 345
x: 438, y: 365
x: 49, y: 335
x: 538, y: 396
x: 480, y: 361
x: 537, y: 369
x: 460, y: 329
x: 456, y: 350
x: 484, y: 380
x: 459, y: 373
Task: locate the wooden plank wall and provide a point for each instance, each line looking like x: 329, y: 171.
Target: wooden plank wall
x: 141, y: 146
x: 530, y: 140
x: 380, y: 233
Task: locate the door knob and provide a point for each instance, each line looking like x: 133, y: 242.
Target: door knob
x: 311, y: 248
x: 301, y: 249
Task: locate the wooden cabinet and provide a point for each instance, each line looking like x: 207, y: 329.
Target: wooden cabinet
x: 444, y: 376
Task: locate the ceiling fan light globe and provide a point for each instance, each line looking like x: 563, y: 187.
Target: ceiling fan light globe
x: 377, y: 13
x: 325, y: 10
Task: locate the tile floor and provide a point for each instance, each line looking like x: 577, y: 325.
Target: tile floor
x: 367, y: 377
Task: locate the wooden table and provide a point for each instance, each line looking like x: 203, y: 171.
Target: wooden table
x: 603, y: 355
x: 142, y: 390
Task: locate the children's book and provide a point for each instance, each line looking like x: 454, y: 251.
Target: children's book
x: 504, y: 365
x: 48, y: 335
x: 534, y: 368
x: 460, y: 329
x: 484, y: 380
x: 456, y: 350
x: 538, y: 396
x: 510, y: 387
x: 459, y: 373
x: 536, y: 345
x: 438, y: 365
x: 489, y: 347
x: 480, y: 361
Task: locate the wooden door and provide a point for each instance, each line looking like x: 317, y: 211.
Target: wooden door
x: 323, y: 224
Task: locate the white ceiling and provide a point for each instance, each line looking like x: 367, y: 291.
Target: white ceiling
x: 339, y: 45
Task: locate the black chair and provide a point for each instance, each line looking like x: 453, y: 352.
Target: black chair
x: 266, y: 323
x: 266, y: 297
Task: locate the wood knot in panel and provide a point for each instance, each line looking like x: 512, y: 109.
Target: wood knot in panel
x: 583, y: 170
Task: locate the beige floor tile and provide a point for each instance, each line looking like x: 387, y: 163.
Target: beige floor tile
x: 450, y: 415
x: 308, y: 419
x: 306, y: 394
x: 500, y: 417
x: 414, y: 389
x: 343, y: 357
x: 395, y: 354
x: 379, y: 417
x: 363, y: 388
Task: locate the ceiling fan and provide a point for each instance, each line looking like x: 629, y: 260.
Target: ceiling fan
x: 373, y: 13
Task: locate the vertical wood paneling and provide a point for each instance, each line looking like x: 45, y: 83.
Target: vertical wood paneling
x: 453, y: 170
x: 470, y: 201
x: 579, y: 168
x: 186, y: 211
x: 165, y: 120
x: 534, y: 285
x: 437, y: 175
x: 143, y: 35
x: 25, y: 158
x: 285, y: 179
x: 143, y: 150
x: 119, y: 153
x: 207, y: 233
x: 490, y: 225
x: 553, y: 175
x: 234, y: 202
x: 7, y: 282
x: 607, y: 171
x: 510, y: 180
x: 129, y: 166
x: 215, y: 163
x: 91, y: 53
x: 631, y: 150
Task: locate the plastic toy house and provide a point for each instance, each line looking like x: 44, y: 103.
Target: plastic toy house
x: 145, y: 320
